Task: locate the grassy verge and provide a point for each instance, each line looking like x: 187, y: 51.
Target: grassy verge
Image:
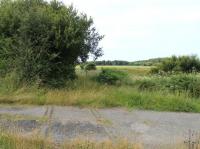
x: 86, y: 92
x: 8, y: 141
x: 12, y: 141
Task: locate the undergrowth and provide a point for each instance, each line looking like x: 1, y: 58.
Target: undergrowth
x: 170, y: 93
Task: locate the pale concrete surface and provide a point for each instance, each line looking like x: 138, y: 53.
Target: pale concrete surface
x: 62, y: 123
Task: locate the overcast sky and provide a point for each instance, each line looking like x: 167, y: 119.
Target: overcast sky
x: 142, y: 29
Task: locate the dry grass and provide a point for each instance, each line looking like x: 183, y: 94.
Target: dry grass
x: 16, y: 141
x: 8, y: 141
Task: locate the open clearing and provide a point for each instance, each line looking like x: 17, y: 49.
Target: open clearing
x: 63, y: 123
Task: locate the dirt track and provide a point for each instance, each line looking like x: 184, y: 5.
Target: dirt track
x: 61, y: 123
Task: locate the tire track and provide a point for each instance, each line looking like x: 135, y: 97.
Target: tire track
x: 46, y: 112
x: 45, y: 115
x: 49, y: 114
x: 100, y: 118
x: 44, y: 129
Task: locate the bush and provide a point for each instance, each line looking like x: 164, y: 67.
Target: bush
x: 154, y: 70
x: 195, y: 89
x: 111, y: 77
x: 90, y: 66
x: 182, y: 83
x: 189, y: 64
x: 169, y: 65
x: 184, y: 64
x: 148, y: 85
x: 44, y: 41
x: 185, y: 83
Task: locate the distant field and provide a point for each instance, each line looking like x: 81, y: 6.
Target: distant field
x: 125, y: 67
x: 141, y: 70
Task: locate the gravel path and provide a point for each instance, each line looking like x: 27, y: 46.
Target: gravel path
x: 62, y: 123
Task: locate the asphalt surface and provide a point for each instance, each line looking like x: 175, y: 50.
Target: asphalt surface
x: 63, y: 123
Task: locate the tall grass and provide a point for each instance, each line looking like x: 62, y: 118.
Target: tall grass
x: 86, y: 92
x: 8, y: 141
x: 16, y: 141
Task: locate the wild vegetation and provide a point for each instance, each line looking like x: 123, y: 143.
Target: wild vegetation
x: 17, y: 141
x: 44, y: 48
x: 131, y: 87
x: 35, y: 59
x: 181, y: 64
x: 8, y: 141
x: 42, y: 42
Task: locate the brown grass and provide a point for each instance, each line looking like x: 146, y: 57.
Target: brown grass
x: 8, y: 141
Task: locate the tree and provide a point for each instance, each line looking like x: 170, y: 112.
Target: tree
x: 44, y: 41
x: 184, y: 64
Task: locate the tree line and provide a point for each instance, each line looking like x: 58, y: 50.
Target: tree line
x: 115, y: 62
x: 150, y: 62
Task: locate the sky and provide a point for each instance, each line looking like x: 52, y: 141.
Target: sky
x: 143, y: 29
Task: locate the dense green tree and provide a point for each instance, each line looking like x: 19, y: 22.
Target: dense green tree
x: 185, y: 64
x: 44, y: 41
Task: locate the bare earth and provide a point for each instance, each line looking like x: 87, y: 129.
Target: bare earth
x: 62, y: 123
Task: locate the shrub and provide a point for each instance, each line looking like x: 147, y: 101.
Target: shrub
x: 189, y: 64
x: 179, y: 82
x: 148, y: 84
x: 169, y: 65
x: 185, y: 83
x: 194, y: 89
x: 44, y: 40
x: 112, y: 77
x: 90, y: 66
x: 185, y: 64
x: 82, y: 66
x: 154, y: 70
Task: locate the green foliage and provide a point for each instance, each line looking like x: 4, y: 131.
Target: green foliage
x: 189, y: 64
x: 90, y: 66
x: 154, y: 70
x: 147, y: 85
x: 43, y: 41
x: 82, y: 66
x: 9, y: 83
x: 162, y: 93
x: 185, y: 64
x: 169, y: 65
x: 111, y: 77
x: 177, y: 84
x: 185, y: 83
x: 5, y: 142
